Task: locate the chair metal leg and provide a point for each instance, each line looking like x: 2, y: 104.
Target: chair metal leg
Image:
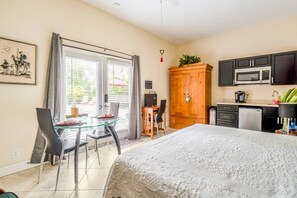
x: 157, y: 126
x: 68, y: 159
x: 86, y: 158
x: 59, y: 167
x: 97, y: 150
x: 42, y: 161
x: 41, y: 167
x: 95, y: 144
x: 58, y: 172
x: 108, y: 144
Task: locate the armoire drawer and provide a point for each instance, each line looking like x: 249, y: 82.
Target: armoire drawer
x: 181, y: 122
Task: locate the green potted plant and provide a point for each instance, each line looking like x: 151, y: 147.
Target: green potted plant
x: 187, y: 59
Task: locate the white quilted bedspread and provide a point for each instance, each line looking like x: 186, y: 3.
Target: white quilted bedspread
x: 208, y: 161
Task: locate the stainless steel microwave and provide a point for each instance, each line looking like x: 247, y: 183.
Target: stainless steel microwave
x: 256, y: 75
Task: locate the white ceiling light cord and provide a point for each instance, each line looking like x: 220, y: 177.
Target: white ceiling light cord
x: 161, y: 2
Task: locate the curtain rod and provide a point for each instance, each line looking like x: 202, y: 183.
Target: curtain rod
x: 97, y: 52
x: 104, y: 48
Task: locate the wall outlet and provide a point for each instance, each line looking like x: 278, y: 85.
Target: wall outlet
x: 15, y: 153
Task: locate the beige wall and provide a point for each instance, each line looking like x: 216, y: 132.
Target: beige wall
x: 33, y: 21
x: 276, y: 36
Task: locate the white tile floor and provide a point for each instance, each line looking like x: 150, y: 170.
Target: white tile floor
x: 91, y: 184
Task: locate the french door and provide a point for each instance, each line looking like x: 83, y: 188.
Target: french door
x: 91, y: 83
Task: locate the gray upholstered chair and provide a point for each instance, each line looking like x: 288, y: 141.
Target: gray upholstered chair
x: 104, y: 132
x: 159, y: 117
x: 54, y: 144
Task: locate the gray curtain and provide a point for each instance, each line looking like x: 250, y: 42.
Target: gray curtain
x: 52, y: 98
x: 135, y: 107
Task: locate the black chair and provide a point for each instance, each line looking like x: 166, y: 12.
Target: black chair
x: 54, y: 144
x: 104, y: 133
x: 159, y: 117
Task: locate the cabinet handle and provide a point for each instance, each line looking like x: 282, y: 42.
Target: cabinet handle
x: 272, y: 80
x: 233, y: 81
x: 277, y: 120
x: 250, y: 63
x: 253, y: 62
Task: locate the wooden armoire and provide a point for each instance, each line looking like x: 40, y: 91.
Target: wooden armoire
x: 190, y: 94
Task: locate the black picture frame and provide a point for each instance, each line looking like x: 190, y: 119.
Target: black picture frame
x: 17, y: 62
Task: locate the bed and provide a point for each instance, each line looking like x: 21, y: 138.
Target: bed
x: 208, y: 161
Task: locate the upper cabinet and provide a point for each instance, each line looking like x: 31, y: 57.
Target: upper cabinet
x: 257, y: 61
x: 226, y: 72
x: 284, y: 68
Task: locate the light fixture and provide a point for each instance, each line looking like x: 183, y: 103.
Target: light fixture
x: 287, y: 111
x: 116, y: 4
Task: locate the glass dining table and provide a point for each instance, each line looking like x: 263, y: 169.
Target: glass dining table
x: 88, y: 123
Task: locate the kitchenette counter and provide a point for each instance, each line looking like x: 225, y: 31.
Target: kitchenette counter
x: 255, y: 104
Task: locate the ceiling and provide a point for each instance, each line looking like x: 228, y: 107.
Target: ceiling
x: 180, y: 21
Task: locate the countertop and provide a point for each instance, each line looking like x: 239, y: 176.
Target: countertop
x: 257, y: 104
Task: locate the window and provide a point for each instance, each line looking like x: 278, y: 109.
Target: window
x: 88, y: 79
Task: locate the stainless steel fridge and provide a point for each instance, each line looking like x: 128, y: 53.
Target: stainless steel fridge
x: 250, y: 118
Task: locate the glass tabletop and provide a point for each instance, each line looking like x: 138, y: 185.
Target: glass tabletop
x: 85, y: 122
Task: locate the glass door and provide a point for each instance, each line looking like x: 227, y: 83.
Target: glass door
x: 118, y: 76
x: 81, y: 80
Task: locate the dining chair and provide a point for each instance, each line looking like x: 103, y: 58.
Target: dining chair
x: 54, y: 144
x: 101, y: 134
x: 159, y: 117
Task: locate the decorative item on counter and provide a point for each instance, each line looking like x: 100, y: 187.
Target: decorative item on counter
x: 161, y: 58
x: 74, y: 111
x: 186, y: 59
x: 289, y: 96
x: 278, y: 99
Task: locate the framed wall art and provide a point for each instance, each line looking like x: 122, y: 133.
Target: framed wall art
x: 17, y: 62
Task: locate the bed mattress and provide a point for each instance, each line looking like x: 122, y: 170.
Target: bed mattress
x: 208, y: 161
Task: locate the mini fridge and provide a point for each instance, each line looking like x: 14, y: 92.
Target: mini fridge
x: 250, y: 118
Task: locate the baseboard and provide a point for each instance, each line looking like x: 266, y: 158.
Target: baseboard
x: 14, y: 168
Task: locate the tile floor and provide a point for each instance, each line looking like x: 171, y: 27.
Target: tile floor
x: 91, y: 184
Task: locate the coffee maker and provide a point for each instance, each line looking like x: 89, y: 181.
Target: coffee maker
x: 240, y: 97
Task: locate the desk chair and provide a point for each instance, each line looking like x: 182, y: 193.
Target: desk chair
x: 54, y: 144
x: 159, y: 117
x: 101, y: 134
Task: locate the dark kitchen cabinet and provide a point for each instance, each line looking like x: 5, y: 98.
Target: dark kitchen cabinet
x: 226, y: 73
x: 243, y: 63
x: 227, y: 115
x: 269, y: 119
x: 256, y: 61
x: 284, y: 68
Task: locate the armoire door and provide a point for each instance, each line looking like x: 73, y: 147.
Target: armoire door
x: 178, y: 83
x: 194, y: 89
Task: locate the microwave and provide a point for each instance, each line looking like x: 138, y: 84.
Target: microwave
x: 256, y: 75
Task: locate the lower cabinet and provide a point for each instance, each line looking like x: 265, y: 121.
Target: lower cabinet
x: 227, y: 115
x: 269, y: 119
